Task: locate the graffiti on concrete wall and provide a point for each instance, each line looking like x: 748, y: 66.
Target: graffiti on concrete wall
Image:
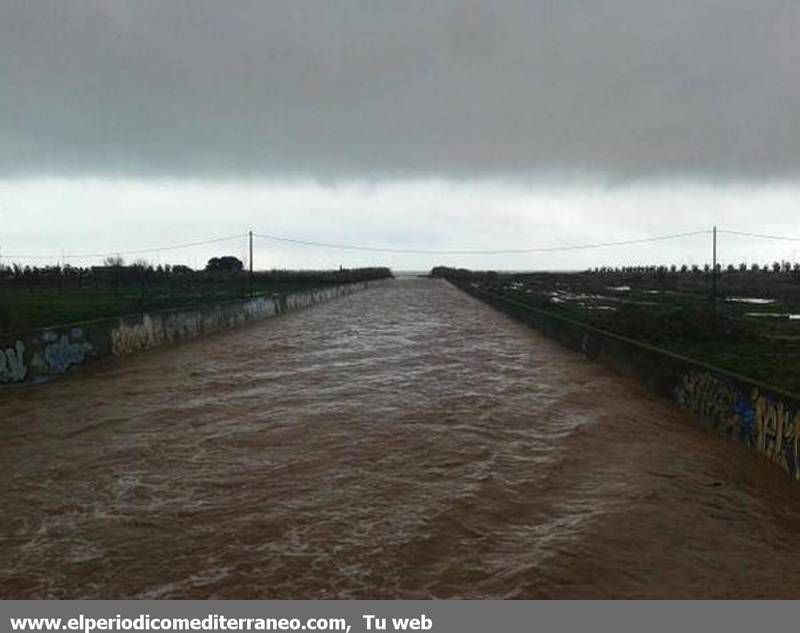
x: 710, y: 398
x: 127, y: 339
x: 61, y: 353
x: 56, y: 351
x: 777, y: 430
x: 12, y: 363
x: 156, y: 330
x: 759, y: 420
x: 260, y: 308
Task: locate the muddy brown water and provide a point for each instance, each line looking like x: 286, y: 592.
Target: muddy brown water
x: 403, y: 442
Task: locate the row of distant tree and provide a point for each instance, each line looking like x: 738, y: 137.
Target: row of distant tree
x: 110, y: 264
x: 785, y: 268
x: 216, y: 264
x: 776, y: 268
x: 115, y: 271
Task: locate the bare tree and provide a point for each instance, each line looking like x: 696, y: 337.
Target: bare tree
x: 114, y: 260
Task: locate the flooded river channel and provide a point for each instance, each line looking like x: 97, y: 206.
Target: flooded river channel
x: 403, y: 442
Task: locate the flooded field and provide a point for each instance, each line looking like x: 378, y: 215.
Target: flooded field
x: 403, y: 442
x: 753, y: 328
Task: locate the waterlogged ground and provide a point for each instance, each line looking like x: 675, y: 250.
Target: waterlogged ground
x: 406, y: 441
x: 757, y: 331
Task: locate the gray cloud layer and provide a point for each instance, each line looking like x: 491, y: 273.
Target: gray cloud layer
x: 347, y: 89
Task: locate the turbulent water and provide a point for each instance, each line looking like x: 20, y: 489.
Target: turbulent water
x: 403, y: 442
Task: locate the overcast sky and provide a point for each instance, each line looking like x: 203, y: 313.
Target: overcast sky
x: 411, y: 125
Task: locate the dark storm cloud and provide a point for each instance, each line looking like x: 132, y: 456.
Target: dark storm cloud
x: 344, y: 89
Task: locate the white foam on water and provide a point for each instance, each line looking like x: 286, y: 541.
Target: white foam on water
x: 751, y: 300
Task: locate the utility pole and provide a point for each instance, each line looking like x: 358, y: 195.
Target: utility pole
x: 714, y: 278
x: 251, y: 264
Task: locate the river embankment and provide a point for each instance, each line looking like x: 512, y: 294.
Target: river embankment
x: 40, y: 355
x: 753, y: 413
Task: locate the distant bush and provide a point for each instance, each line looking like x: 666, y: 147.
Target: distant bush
x: 227, y: 263
x: 452, y: 273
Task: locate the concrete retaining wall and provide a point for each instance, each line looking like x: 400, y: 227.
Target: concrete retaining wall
x: 753, y: 413
x: 40, y: 355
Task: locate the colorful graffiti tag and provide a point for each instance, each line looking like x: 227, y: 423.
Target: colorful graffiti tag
x: 66, y: 352
x: 759, y: 420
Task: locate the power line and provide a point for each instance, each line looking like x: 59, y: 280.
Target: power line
x: 374, y: 249
x: 761, y: 236
x: 545, y: 249
x: 157, y: 249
